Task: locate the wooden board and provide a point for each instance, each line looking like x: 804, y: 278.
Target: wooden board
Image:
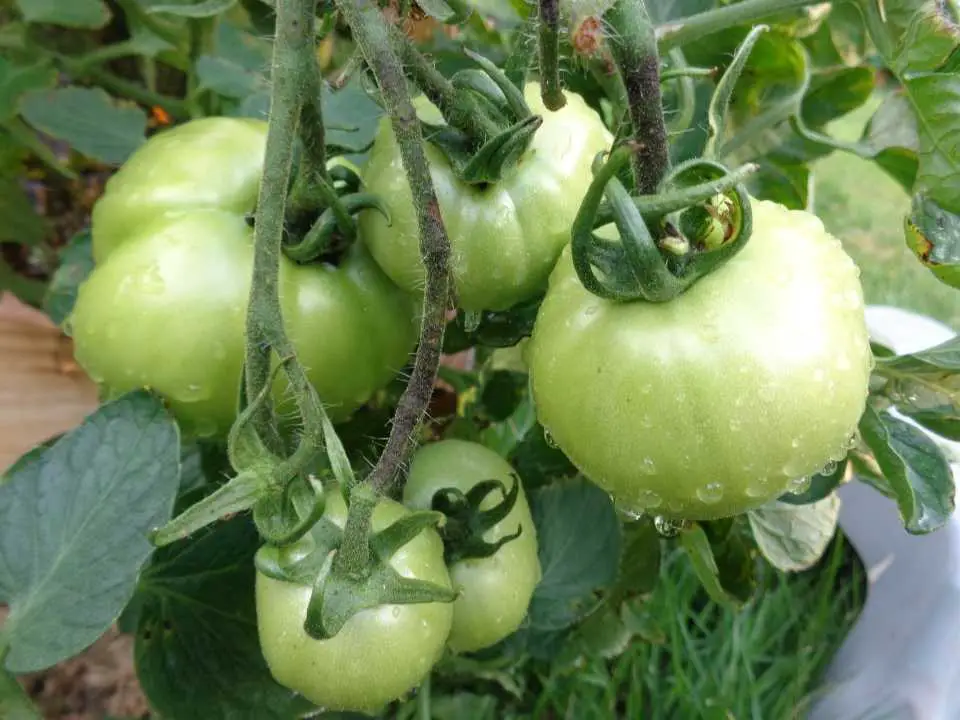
x: 42, y: 390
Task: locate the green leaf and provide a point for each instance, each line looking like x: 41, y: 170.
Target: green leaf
x: 74, y: 525
x: 92, y: 14
x: 538, y: 460
x: 203, y: 9
x: 76, y: 263
x: 734, y: 556
x: 350, y: 107
x: 933, y: 234
x: 87, y: 119
x: 15, y: 80
x: 914, y: 468
x: 891, y: 139
x: 936, y: 100
x: 505, y: 436
x: 943, y: 420
x: 21, y: 223
x: 923, y: 35
x: 228, y: 78
x: 640, y: 559
x: 15, y: 704
x: 696, y: 543
x: 934, y: 364
x: 579, y: 546
x: 794, y: 537
x: 604, y: 634
x: 503, y: 392
x: 197, y: 601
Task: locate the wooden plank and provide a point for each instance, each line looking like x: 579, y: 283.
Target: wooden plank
x: 42, y: 390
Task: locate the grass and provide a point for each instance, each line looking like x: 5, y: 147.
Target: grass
x: 703, y: 661
x: 864, y: 207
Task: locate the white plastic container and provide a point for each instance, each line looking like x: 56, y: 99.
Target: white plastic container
x: 901, y: 661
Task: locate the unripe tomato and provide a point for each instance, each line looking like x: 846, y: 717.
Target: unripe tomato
x: 380, y: 653
x: 717, y: 401
x: 506, y: 236
x: 494, y: 591
x: 167, y: 310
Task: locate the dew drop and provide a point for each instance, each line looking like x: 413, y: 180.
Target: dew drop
x: 648, y: 466
x: 649, y: 500
x: 629, y: 513
x: 548, y: 439
x: 667, y: 527
x: 206, y: 428
x: 151, y: 282
x: 795, y: 443
x: 828, y: 469
x: 798, y: 486
x: 591, y: 311
x: 646, y: 421
x: 646, y: 388
x: 710, y: 493
x: 758, y: 489
x: 396, y: 611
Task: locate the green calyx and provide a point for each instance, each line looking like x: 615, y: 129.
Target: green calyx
x: 344, y: 583
x: 501, y: 129
x: 698, y: 220
x: 467, y: 523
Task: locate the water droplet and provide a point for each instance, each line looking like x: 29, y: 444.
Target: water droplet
x: 648, y: 466
x: 191, y: 393
x: 795, y: 443
x: 630, y: 513
x: 649, y: 500
x: 646, y: 388
x: 851, y: 442
x: 667, y: 527
x: 798, y: 486
x: 710, y: 493
x: 151, y: 281
x: 646, y: 421
x: 828, y: 469
x: 758, y: 489
x: 681, y: 397
x: 591, y: 310
x: 548, y: 439
x: 396, y: 611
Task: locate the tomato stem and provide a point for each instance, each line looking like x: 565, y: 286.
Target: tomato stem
x: 372, y: 35
x: 549, y: 51
x: 634, y: 49
x: 747, y: 12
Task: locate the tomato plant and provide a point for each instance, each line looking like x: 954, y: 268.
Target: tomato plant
x: 495, y: 590
x: 175, y: 261
x: 551, y: 275
x: 504, y: 237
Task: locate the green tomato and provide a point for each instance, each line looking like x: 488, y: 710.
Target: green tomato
x: 167, y: 310
x: 215, y: 162
x: 380, y: 653
x: 495, y: 591
x: 506, y: 236
x: 722, y: 399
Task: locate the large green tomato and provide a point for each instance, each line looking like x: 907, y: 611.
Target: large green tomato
x: 210, y: 163
x: 712, y: 403
x: 167, y: 309
x: 494, y: 591
x: 505, y: 237
x: 380, y: 653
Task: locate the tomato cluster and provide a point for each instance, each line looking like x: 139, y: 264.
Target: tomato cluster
x: 701, y: 407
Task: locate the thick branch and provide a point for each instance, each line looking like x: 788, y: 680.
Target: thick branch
x: 292, y: 59
x: 549, y: 47
x: 373, y: 36
x: 748, y: 12
x: 634, y: 49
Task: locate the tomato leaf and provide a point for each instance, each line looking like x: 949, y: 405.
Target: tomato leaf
x: 197, y: 594
x: 604, y: 634
x: 574, y: 564
x: 640, y: 559
x: 16, y: 80
x: 74, y: 524
x: 21, y: 223
x: 695, y: 542
x: 794, y: 537
x: 735, y: 557
x: 89, y: 120
x: 943, y: 420
x: 914, y: 468
x: 933, y: 234
x: 538, y: 460
x: 203, y: 9
x: 15, y: 704
x: 90, y: 14
x: 76, y: 263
